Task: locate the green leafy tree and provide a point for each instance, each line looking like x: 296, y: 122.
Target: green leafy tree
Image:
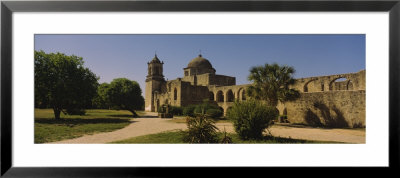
x: 63, y: 83
x: 125, y: 94
x: 271, y: 84
x: 100, y: 101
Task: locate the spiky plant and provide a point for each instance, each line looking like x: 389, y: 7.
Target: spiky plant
x: 226, y: 138
x: 201, y: 129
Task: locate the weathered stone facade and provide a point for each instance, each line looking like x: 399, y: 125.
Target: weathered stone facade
x: 334, y: 100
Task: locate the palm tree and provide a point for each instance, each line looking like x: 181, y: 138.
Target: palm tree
x: 271, y: 84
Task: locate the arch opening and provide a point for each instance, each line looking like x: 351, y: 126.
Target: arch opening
x: 211, y: 96
x: 229, y: 96
x: 340, y: 83
x: 220, y: 96
x: 306, y: 86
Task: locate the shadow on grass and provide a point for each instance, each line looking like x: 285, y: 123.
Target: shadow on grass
x: 76, y: 121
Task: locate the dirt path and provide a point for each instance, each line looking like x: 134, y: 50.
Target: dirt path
x: 150, y: 124
x: 308, y: 133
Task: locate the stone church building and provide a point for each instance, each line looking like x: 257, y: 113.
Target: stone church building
x: 336, y: 100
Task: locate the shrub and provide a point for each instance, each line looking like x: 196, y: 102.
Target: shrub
x: 212, y: 110
x: 201, y: 129
x: 251, y: 118
x: 188, y: 110
x: 200, y: 108
x: 214, y: 113
x: 176, y: 110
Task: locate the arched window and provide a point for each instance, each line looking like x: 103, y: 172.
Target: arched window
x: 244, y: 95
x: 175, y: 94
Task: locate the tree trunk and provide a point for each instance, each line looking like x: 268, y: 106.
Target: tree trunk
x: 134, y: 113
x: 57, y: 113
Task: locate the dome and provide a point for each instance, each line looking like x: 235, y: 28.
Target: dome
x: 200, y: 62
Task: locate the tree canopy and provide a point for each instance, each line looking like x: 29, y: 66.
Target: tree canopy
x: 100, y: 101
x: 125, y: 94
x: 62, y: 82
x: 271, y: 83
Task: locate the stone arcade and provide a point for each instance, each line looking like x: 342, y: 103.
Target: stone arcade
x: 335, y: 100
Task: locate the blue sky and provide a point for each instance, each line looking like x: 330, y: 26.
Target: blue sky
x: 116, y: 56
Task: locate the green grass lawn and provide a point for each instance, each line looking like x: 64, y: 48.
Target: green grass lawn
x: 163, y: 137
x: 47, y: 129
x: 176, y: 136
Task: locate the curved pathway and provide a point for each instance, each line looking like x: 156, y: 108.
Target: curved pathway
x: 150, y: 124
x: 147, y: 124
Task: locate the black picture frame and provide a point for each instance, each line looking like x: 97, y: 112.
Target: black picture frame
x: 8, y: 7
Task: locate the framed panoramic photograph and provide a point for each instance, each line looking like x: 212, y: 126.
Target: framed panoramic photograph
x: 103, y: 88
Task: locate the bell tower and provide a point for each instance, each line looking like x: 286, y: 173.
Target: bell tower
x: 154, y: 81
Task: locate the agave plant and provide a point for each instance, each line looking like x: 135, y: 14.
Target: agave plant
x: 201, y: 129
x: 226, y: 138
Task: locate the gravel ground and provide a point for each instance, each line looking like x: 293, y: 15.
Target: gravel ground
x: 150, y: 124
x: 308, y: 133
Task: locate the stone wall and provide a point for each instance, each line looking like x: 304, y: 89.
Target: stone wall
x: 352, y: 81
x: 332, y: 109
x: 192, y: 94
x: 202, y: 79
x: 210, y: 79
x: 222, y: 80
